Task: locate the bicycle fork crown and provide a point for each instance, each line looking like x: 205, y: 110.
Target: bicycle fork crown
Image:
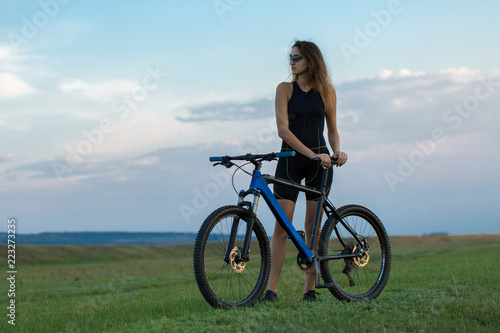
x: 243, y: 194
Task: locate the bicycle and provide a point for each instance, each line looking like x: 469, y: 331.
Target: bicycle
x: 231, y: 256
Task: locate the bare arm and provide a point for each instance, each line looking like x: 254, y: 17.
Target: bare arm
x: 333, y: 134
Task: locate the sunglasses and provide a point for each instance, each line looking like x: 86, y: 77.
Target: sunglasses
x: 296, y: 58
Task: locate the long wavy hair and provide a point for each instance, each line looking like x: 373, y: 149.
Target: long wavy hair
x: 318, y: 73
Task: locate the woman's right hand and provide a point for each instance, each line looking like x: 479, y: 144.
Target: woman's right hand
x: 326, y: 160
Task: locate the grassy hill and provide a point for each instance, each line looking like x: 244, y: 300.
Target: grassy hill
x: 437, y: 283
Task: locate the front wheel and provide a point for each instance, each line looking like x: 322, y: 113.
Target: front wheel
x: 363, y: 276
x: 225, y: 281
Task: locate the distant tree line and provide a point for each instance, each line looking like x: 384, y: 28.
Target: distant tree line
x: 103, y: 238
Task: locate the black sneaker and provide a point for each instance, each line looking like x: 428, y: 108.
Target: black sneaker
x: 311, y: 296
x: 270, y: 297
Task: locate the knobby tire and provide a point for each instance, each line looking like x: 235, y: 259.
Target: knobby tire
x: 222, y: 285
x: 369, y: 280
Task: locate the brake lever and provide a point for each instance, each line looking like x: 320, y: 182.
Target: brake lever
x: 227, y: 164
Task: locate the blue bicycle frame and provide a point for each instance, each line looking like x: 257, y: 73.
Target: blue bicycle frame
x: 259, y: 183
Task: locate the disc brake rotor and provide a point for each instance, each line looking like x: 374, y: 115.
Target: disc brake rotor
x: 236, y: 265
x: 361, y: 261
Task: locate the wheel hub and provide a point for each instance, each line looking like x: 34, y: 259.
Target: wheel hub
x: 363, y: 260
x: 235, y: 260
x: 353, y: 263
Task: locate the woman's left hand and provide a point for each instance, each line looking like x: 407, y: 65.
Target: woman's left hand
x: 340, y: 156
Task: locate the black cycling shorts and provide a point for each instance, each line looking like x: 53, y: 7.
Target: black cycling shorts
x: 295, y: 169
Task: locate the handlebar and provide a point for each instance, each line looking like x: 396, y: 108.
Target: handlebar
x: 256, y: 159
x: 252, y: 157
x: 317, y: 159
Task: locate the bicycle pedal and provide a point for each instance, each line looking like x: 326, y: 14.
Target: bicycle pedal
x: 301, y: 234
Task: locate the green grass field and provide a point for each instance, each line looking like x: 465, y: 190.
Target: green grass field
x: 437, y: 284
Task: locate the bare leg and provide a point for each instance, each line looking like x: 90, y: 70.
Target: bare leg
x: 308, y: 226
x: 278, y: 246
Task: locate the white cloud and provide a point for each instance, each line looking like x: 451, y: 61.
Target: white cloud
x: 103, y: 91
x: 149, y: 160
x: 145, y: 130
x: 5, y: 52
x: 386, y: 73
x: 405, y: 73
x: 11, y: 86
x: 461, y: 75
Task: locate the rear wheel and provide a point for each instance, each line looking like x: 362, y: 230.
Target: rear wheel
x: 363, y: 276
x: 229, y: 282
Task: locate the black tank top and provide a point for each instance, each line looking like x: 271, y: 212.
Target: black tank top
x: 306, y: 116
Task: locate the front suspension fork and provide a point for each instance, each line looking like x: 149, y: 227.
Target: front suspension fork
x: 252, y: 209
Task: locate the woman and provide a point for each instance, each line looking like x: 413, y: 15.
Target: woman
x: 301, y: 109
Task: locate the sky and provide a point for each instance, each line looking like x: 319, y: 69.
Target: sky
x: 109, y: 111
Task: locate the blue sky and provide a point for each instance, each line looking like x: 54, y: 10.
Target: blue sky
x: 109, y: 111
